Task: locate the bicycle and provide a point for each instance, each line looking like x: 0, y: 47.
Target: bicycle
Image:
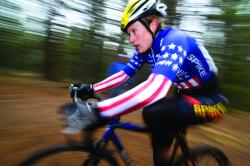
x: 98, y: 152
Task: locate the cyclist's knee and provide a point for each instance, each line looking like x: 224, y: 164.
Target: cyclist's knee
x: 147, y: 113
x: 147, y: 116
x: 151, y: 116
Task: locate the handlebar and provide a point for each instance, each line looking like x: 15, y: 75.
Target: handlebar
x: 75, y: 99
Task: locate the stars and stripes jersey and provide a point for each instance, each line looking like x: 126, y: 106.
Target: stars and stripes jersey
x: 175, y: 58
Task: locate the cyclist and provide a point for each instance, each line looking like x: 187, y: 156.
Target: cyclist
x: 177, y: 60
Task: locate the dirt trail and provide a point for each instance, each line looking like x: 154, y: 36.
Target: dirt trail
x: 28, y: 122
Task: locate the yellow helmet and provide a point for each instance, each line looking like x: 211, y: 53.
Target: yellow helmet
x: 137, y: 9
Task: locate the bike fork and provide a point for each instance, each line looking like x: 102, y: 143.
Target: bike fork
x: 125, y: 157
x: 182, y: 141
x: 122, y: 151
x: 174, y: 153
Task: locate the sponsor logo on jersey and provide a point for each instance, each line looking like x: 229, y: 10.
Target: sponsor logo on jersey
x: 209, y: 111
x: 198, y: 65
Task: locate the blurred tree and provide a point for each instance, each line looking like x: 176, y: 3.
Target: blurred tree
x: 52, y: 49
x: 235, y: 73
x: 172, y: 17
x: 95, y: 39
x: 55, y: 40
x: 80, y: 49
x: 11, y: 35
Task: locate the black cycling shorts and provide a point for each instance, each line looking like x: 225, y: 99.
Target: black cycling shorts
x: 166, y: 116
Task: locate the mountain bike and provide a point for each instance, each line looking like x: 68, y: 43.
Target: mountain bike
x: 99, y: 154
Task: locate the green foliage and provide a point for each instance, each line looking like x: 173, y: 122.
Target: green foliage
x: 61, y: 48
x: 236, y: 72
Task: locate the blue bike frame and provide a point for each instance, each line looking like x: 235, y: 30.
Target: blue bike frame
x: 109, y: 134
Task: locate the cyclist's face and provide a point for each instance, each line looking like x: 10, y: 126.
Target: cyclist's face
x: 139, y: 37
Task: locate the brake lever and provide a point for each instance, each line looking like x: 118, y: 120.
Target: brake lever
x: 74, y: 89
x: 75, y: 98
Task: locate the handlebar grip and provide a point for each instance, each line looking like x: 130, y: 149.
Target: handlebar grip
x: 73, y: 90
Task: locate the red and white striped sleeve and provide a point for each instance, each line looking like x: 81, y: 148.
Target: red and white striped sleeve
x: 110, y: 82
x: 151, y: 90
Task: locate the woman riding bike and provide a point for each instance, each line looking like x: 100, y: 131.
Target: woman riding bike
x: 177, y: 60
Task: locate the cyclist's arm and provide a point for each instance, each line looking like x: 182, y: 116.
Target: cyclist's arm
x: 114, y: 80
x: 151, y: 90
x: 111, y: 82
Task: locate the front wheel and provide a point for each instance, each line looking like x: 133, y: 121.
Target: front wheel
x: 68, y: 155
x: 205, y: 155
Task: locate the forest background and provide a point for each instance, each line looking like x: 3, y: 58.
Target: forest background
x: 76, y: 40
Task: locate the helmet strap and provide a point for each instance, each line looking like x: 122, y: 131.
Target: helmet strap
x: 146, y: 24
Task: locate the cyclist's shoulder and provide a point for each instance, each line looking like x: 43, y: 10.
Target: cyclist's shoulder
x: 176, y: 36
x: 172, y: 33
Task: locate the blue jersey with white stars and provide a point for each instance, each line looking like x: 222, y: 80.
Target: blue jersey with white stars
x: 177, y: 56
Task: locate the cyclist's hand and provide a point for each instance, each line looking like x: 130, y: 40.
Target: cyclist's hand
x: 84, y: 91
x: 86, y: 117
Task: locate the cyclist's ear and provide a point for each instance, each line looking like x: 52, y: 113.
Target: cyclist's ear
x: 154, y: 24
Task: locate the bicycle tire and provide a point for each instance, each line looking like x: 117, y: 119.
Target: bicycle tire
x: 51, y: 152
x: 205, y: 151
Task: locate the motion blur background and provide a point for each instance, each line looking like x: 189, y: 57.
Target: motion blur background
x: 76, y: 40
x: 71, y: 40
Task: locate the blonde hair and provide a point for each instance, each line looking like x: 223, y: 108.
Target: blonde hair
x: 150, y: 18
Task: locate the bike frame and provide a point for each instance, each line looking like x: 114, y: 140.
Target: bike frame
x: 109, y: 134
